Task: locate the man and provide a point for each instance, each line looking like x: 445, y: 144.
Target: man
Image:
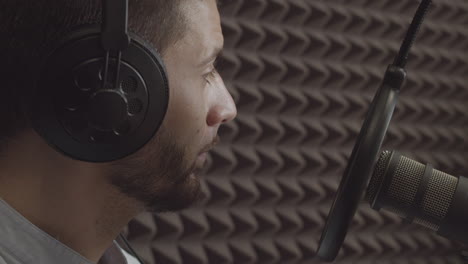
x: 54, y: 209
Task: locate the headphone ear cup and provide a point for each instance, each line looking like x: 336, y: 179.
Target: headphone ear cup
x: 91, y: 119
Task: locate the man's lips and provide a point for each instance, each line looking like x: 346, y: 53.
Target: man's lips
x: 201, y: 159
x: 210, y: 146
x: 203, y: 155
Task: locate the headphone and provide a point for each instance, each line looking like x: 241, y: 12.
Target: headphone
x: 103, y: 92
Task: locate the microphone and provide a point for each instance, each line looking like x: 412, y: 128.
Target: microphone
x: 420, y: 194
x: 367, y: 147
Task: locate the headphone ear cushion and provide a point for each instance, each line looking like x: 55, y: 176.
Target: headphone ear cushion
x: 89, y: 119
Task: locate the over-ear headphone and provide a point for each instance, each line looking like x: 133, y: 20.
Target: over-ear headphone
x: 103, y: 92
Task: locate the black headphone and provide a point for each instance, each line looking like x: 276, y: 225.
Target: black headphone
x: 103, y: 92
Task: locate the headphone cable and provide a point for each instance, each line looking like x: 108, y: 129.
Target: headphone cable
x: 132, y: 251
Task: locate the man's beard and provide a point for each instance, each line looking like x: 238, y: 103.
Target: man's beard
x: 159, y: 175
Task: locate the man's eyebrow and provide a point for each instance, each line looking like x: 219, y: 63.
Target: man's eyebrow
x: 212, y: 55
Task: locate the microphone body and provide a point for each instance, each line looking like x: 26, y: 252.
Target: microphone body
x: 420, y: 194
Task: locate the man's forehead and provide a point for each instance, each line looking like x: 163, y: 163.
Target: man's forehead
x: 204, y: 28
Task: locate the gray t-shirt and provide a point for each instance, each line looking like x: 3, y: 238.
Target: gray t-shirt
x: 21, y: 242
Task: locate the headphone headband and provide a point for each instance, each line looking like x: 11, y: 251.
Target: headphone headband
x: 114, y: 35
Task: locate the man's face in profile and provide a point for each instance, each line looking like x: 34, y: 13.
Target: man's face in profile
x: 163, y: 174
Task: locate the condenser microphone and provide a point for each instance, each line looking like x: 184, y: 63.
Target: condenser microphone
x: 420, y: 194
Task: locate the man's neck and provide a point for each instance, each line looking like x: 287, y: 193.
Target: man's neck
x: 69, y: 200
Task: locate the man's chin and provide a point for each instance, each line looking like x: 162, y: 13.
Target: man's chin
x: 182, y: 196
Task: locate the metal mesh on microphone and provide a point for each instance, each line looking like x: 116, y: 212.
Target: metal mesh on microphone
x: 378, y: 175
x: 394, y: 187
x: 404, y: 184
x: 439, y: 193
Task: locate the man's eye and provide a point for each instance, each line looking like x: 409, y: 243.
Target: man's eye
x: 211, y: 75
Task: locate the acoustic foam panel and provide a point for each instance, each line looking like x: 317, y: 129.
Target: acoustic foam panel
x: 303, y: 73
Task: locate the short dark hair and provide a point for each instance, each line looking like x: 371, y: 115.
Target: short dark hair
x: 28, y: 28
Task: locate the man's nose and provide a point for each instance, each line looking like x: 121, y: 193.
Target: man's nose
x: 224, y: 109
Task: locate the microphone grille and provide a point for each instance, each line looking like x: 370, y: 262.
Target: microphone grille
x: 439, y: 193
x: 405, y: 182
x: 378, y: 176
x: 398, y: 185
